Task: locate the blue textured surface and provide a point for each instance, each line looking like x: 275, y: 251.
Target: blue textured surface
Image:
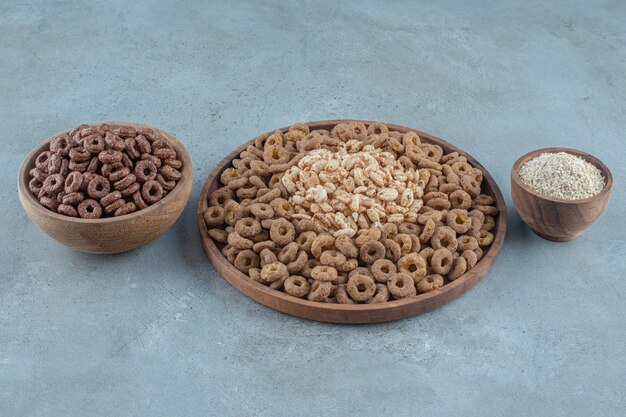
x: 157, y: 332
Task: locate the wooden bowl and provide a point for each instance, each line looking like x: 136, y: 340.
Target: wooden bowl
x: 557, y: 219
x: 357, y: 313
x: 112, y: 234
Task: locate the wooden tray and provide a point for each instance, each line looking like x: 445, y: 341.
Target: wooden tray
x: 353, y: 313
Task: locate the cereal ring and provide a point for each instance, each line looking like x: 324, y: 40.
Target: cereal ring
x: 110, y: 198
x: 67, y: 210
x: 48, y: 203
x: 460, y: 199
x: 262, y: 211
x: 484, y: 200
x: 145, y: 170
x: 94, y: 143
x: 245, y: 260
x: 470, y: 185
x: 411, y: 139
x: 114, y: 205
x: 405, y: 243
x: 389, y: 231
x: 427, y: 231
x: 470, y: 257
x: 458, y: 268
x: 466, y: 242
x: 427, y: 254
x: 477, y: 220
x: 361, y: 287
x: 342, y: 296
x: 54, y: 164
x: 94, y: 165
x: 53, y: 184
x: 35, y: 186
x: 414, y: 265
x: 366, y: 235
x: 458, y: 220
x: 487, y: 210
x: 125, y: 182
x: 41, y: 162
x: 322, y: 243
x: 380, y: 296
x: 165, y: 153
x: 228, y: 175
x: 132, y: 189
x: 282, y: 232
x: 220, y: 197
x: 269, y: 196
x: 439, y: 203
x: 392, y: 249
x: 305, y: 241
x: 319, y: 290
x: 275, y: 155
x: 262, y: 236
x: 247, y: 227
x: 296, y: 286
x: 239, y: 242
x: 441, y: 261
x: 110, y: 156
x: 485, y: 238
x: 246, y: 192
x: 324, y: 273
x: 218, y: 235
x: 61, y: 146
x: 39, y: 174
x: 444, y: 237
x: 138, y: 200
x: 147, y: 157
x: 213, y: 216
x: 79, y: 154
x: 233, y: 212
x: 98, y: 187
x: 73, y: 199
x: 288, y: 253
x: 108, y: 169
x: 170, y: 173
x: 372, y: 250
x: 346, y: 246
x: 489, y: 223
x: 431, y: 152
x: 332, y: 258
x: 118, y: 174
x: 348, y: 265
x: 308, y: 267
x: 274, y: 271
x: 430, y: 282
x: 409, y: 228
x: 298, y: 263
x: 267, y: 256
x: 479, y: 253
x: 125, y: 209
x: 377, y: 128
x: 282, y: 208
x: 382, y: 269
x: 151, y: 192
x: 90, y: 209
x: 401, y: 285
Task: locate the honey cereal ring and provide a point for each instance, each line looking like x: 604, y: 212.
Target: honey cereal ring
x: 270, y: 196
x: 487, y: 210
x: 427, y: 254
x: 409, y: 228
x: 377, y: 128
x: 348, y: 265
x: 220, y: 197
x: 361, y: 287
x: 67, y: 210
x: 90, y: 209
x: 53, y: 184
x: 275, y: 155
x: 444, y: 237
x: 266, y: 223
x: 138, y: 200
x: 246, y: 192
x: 439, y: 203
x: 401, y: 285
x: 342, y: 295
x: 245, y: 260
x: 98, y: 187
x: 132, y: 189
x: 489, y: 223
x: 371, y: 251
x: 460, y: 199
x: 145, y: 170
x: 442, y: 260
x: 392, y: 249
x: 268, y: 256
x: 151, y: 192
x: 382, y: 269
x: 405, y: 243
x: 360, y: 270
x: 229, y: 174
x: 231, y: 254
x: 411, y: 139
x: 248, y: 227
x: 485, y: 238
x: 239, y: 242
x: 305, y: 240
x: 366, y: 235
x: 296, y: 286
x: 119, y: 174
x: 259, y: 183
x: 431, y: 152
x: 458, y: 220
x: 261, y: 236
x: 282, y: 232
x: 346, y: 246
x: 297, y: 264
x: 483, y: 200
x: 35, y: 186
x: 125, y: 182
x: 213, y: 216
x: 380, y: 296
x: 288, y: 253
x: 470, y: 185
x: 466, y: 242
x: 430, y: 282
x: 414, y: 265
x: 477, y: 220
x: 458, y: 268
x: 389, y: 231
x: 282, y: 207
x: 113, y: 206
x: 322, y: 243
x: 470, y: 257
x: 125, y: 209
x: 448, y: 188
x: 308, y: 267
x: 332, y: 258
x: 110, y: 198
x: 320, y: 290
x: 427, y: 231
x: 324, y: 273
x: 479, y: 253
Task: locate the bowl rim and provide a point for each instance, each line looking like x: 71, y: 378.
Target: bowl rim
x: 608, y: 177
x: 29, y: 198
x: 397, y: 309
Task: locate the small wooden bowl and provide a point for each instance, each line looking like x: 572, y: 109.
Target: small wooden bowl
x: 112, y: 234
x: 357, y: 313
x: 557, y: 219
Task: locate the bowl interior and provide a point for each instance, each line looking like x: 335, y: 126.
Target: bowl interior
x: 29, y: 163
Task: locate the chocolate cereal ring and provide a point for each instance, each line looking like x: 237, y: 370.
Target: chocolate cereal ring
x: 430, y: 282
x: 73, y: 182
x: 49, y: 203
x: 53, y: 184
x: 125, y: 209
x: 112, y: 207
x: 296, y: 286
x: 382, y: 269
x: 110, y: 198
x: 401, y: 285
x: 67, y: 210
x: 73, y: 199
x: 98, y: 187
x: 132, y: 189
x: 151, y: 192
x: 441, y: 261
x: 361, y: 287
x: 35, y: 185
x: 90, y: 209
x: 145, y: 170
x: 138, y: 200
x: 125, y: 182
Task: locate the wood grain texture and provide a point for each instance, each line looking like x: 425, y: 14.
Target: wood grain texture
x: 113, y: 234
x: 554, y: 218
x: 358, y: 313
